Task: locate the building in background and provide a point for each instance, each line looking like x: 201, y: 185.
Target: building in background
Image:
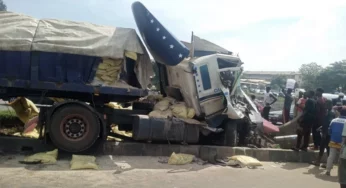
x: 269, y: 75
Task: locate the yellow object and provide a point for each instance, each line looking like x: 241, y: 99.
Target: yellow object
x: 33, y: 134
x: 162, y: 105
x: 112, y: 138
x: 79, y: 162
x: 161, y: 114
x: 131, y: 55
x: 170, y: 99
x: 334, y: 145
x: 115, y: 129
x: 114, y: 105
x: 179, y: 110
x: 243, y: 161
x: 108, y: 71
x: 44, y: 158
x: 190, y: 113
x: 180, y: 159
x: 24, y: 108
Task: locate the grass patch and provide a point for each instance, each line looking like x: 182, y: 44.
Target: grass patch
x: 8, y: 115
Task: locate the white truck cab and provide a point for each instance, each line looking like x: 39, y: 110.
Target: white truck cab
x: 210, y: 84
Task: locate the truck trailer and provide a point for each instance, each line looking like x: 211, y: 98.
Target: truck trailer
x: 89, y: 66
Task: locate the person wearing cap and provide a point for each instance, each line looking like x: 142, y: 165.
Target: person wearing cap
x: 269, y: 99
x: 336, y: 131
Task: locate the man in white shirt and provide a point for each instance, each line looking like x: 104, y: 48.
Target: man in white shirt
x: 269, y: 99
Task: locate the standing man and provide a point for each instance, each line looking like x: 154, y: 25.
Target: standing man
x: 342, y: 161
x: 321, y: 113
x: 258, y: 104
x: 287, y: 105
x: 305, y: 122
x: 325, y: 133
x: 335, y: 130
x: 298, y: 106
x: 269, y: 99
x: 301, y: 104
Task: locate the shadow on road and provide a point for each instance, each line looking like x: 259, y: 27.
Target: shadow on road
x: 311, y: 170
x: 293, y: 166
x: 320, y: 174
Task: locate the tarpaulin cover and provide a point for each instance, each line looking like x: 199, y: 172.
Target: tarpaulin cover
x: 22, y: 33
x: 17, y: 31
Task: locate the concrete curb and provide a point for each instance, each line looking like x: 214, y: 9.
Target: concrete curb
x: 207, y: 153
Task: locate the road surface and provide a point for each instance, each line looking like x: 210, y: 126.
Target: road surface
x: 147, y: 172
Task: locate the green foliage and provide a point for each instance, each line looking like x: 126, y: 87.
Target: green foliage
x: 330, y: 78
x: 309, y: 73
x: 7, y: 114
x: 278, y: 82
x: 3, y: 6
x: 333, y: 77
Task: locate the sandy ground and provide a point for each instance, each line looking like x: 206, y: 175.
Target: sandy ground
x: 147, y: 172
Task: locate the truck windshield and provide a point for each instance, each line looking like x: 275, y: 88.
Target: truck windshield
x: 227, y: 63
x: 227, y: 78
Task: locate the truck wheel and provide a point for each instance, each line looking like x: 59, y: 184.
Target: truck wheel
x: 230, y: 137
x: 74, y: 128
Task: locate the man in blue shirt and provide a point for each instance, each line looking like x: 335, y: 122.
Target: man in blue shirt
x: 335, y: 130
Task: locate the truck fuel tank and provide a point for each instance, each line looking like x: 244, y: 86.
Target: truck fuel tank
x: 157, y: 129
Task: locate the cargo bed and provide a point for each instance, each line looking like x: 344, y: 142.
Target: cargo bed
x: 58, y: 58
x: 56, y: 75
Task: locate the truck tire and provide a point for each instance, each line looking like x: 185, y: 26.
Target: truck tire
x: 230, y: 136
x: 74, y: 128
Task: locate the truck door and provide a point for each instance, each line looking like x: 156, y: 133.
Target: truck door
x: 210, y: 96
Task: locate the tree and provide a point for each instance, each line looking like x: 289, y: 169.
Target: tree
x: 3, y: 6
x: 309, y: 74
x: 333, y: 77
x: 278, y: 82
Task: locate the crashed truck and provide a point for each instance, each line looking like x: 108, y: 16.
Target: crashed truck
x: 84, y: 67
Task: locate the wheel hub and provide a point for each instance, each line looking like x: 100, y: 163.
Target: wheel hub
x: 74, y: 127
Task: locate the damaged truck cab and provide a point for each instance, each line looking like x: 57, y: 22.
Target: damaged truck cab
x: 210, y: 85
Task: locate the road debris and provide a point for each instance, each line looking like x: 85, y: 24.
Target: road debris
x: 80, y: 162
x: 181, y: 159
x: 42, y: 158
x: 241, y: 161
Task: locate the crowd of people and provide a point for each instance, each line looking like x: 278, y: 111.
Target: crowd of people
x: 322, y: 118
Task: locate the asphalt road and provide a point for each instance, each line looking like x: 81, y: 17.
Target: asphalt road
x: 147, y: 172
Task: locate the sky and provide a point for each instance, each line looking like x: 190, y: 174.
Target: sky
x: 269, y: 35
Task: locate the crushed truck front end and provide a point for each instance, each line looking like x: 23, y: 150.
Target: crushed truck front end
x: 211, y: 86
